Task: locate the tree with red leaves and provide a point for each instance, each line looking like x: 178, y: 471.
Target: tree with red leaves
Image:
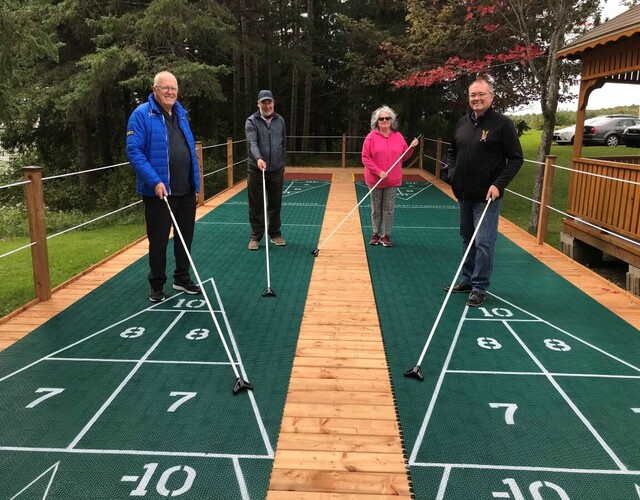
x: 513, y: 42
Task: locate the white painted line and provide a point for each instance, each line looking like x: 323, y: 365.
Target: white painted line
x: 256, y: 410
x: 569, y: 334
x: 436, y: 392
x: 153, y: 453
x: 53, y: 474
x: 148, y: 361
x: 311, y: 188
x: 443, y: 483
x: 526, y: 468
x: 244, y: 492
x: 124, y: 383
x: 70, y: 346
x: 564, y: 395
x: 574, y: 375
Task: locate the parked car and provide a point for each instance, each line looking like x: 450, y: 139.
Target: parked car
x: 607, y: 130
x: 564, y: 136
x: 631, y: 136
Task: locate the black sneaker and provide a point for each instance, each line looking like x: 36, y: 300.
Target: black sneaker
x: 475, y: 299
x: 460, y: 288
x: 187, y: 286
x: 156, y: 295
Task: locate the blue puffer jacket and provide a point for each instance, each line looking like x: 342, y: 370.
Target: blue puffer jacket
x: 148, y: 147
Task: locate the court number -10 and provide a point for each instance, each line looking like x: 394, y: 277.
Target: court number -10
x: 161, y: 485
x: 534, y: 489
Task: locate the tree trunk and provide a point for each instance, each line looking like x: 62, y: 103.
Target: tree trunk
x: 85, y: 161
x: 308, y: 79
x: 546, y: 72
x: 293, y: 122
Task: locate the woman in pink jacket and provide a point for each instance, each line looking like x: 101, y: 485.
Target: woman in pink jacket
x: 382, y: 147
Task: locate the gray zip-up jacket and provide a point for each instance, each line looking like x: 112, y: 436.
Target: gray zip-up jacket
x: 267, y: 142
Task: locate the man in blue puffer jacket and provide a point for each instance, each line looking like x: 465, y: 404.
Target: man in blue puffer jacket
x: 161, y: 149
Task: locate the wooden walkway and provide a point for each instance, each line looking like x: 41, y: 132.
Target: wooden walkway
x: 339, y: 437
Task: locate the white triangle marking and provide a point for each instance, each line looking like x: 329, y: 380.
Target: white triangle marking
x: 54, y: 467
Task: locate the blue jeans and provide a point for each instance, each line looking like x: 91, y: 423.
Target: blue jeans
x: 478, y: 265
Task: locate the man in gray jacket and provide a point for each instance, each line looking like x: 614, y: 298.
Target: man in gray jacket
x: 266, y: 149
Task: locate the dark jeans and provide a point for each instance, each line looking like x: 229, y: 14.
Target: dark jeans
x: 478, y: 265
x: 159, y: 225
x: 274, y: 182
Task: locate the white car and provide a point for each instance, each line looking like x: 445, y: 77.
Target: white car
x: 564, y: 135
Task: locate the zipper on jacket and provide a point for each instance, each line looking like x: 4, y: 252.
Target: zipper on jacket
x: 466, y: 155
x: 166, y: 136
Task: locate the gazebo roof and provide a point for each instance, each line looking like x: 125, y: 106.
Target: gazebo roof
x: 626, y: 25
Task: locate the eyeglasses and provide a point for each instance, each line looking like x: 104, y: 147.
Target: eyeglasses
x: 477, y: 94
x: 385, y: 119
x: 165, y: 88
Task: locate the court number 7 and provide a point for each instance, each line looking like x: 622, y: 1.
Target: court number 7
x: 50, y: 392
x: 186, y: 396
x: 510, y: 409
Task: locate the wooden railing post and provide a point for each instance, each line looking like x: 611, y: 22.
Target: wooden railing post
x: 421, y: 161
x: 545, y: 198
x: 344, y: 150
x: 37, y: 232
x: 201, y: 172
x: 229, y: 162
x: 438, y: 157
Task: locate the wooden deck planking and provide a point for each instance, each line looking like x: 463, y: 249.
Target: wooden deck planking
x: 339, y: 436
x: 340, y: 274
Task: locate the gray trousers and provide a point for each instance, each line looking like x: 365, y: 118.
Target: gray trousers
x: 383, y: 204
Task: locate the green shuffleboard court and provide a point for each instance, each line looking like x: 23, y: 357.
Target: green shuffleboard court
x: 535, y: 395
x: 119, y: 398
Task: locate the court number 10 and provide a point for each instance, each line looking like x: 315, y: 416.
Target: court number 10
x: 534, y: 489
x: 500, y: 312
x: 161, y: 485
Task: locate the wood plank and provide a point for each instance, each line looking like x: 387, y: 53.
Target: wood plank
x: 339, y: 435
x: 333, y: 410
x: 339, y: 397
x: 338, y: 461
x: 338, y: 482
x: 326, y: 425
x: 314, y: 384
x: 340, y: 442
x: 312, y: 495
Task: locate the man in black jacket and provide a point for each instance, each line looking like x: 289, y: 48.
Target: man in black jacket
x: 266, y: 148
x: 485, y: 155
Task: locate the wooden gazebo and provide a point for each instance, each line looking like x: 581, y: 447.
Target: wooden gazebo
x: 610, y: 53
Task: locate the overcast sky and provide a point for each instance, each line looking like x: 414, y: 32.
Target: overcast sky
x: 611, y: 94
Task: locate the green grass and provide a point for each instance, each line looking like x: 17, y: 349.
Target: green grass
x: 73, y: 252
x: 518, y: 209
x: 69, y: 254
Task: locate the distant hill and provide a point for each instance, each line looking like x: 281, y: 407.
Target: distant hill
x: 566, y: 118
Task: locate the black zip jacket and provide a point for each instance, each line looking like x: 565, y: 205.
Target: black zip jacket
x: 486, y: 151
x: 267, y: 142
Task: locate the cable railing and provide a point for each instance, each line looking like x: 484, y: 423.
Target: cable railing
x: 429, y: 161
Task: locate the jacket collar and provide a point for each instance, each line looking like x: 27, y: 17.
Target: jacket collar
x: 488, y: 112
x: 180, y: 111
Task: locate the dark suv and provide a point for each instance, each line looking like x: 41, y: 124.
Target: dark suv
x: 607, y: 129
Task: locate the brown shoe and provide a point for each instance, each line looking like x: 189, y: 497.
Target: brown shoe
x: 375, y: 239
x: 278, y: 241
x: 461, y: 287
x: 253, y: 245
x: 386, y: 241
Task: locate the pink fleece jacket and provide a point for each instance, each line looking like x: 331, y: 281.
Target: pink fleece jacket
x: 379, y: 153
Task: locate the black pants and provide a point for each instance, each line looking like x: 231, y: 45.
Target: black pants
x: 159, y: 225
x: 274, y: 182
